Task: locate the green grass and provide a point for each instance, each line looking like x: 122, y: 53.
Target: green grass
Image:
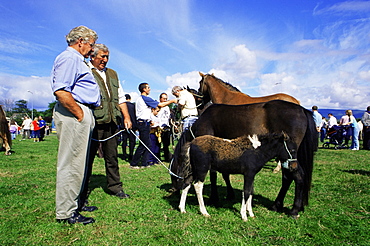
x: 338, y: 214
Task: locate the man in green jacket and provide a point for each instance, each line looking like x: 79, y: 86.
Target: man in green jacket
x: 108, y: 117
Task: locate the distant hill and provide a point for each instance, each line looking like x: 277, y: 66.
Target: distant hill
x: 338, y: 113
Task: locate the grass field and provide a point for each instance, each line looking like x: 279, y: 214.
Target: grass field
x: 339, y: 211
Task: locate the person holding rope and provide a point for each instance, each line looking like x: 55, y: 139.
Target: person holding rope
x: 144, y: 105
x: 77, y: 93
x: 108, y: 117
x: 186, y: 101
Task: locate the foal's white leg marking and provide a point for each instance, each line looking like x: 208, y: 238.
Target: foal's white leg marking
x: 246, y: 205
x: 249, y: 206
x: 243, y: 210
x: 183, y: 199
x: 199, y: 190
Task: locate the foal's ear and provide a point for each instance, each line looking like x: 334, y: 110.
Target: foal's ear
x: 201, y: 74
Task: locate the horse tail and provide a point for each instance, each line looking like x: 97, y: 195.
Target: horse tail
x: 305, y: 154
x: 4, y: 128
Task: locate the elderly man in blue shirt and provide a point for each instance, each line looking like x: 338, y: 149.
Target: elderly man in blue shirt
x: 317, y: 117
x: 77, y: 93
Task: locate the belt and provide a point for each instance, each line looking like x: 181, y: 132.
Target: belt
x: 189, y: 116
x: 142, y: 120
x: 91, y: 106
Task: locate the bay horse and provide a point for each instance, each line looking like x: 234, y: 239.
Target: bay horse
x: 245, y: 155
x: 219, y: 92
x: 232, y: 121
x: 6, y: 140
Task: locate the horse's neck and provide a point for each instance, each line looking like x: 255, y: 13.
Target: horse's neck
x: 219, y: 93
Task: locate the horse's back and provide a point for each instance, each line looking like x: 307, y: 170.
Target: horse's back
x: 232, y: 121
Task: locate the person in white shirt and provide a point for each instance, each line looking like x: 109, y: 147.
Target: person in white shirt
x: 186, y: 101
x: 26, y: 126
x: 332, y: 121
x: 164, y: 116
x: 144, y: 105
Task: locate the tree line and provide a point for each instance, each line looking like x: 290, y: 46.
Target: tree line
x: 17, y: 110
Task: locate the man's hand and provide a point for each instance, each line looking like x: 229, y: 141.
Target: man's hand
x: 66, y: 99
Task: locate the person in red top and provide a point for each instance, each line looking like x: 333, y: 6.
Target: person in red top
x: 36, y: 129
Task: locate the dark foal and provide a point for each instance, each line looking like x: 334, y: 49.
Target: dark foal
x: 245, y: 155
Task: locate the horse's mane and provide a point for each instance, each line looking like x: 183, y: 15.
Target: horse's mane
x: 225, y: 84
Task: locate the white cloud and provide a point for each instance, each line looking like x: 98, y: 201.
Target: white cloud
x: 190, y: 79
x: 244, y: 63
x: 17, y: 87
x: 344, y: 7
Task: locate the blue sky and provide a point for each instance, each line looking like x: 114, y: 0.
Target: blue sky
x: 316, y: 51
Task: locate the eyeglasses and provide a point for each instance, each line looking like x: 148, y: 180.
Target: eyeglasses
x: 87, y: 42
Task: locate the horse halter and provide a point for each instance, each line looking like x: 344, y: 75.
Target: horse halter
x: 288, y: 161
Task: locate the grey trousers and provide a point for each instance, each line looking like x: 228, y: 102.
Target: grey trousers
x: 74, y: 144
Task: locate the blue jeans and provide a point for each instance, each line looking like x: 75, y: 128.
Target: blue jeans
x: 355, y: 141
x: 188, y: 121
x: 141, y: 151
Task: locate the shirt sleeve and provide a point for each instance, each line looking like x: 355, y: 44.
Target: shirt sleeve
x: 150, y: 102
x: 121, y: 94
x: 63, y: 78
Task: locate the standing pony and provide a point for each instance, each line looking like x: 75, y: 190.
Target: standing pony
x: 6, y: 140
x: 232, y: 121
x: 245, y: 155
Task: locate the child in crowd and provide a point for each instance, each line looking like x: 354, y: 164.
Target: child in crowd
x: 155, y: 136
x: 13, y: 128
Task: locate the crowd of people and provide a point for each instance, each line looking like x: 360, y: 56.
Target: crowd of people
x: 353, y: 130
x: 35, y: 129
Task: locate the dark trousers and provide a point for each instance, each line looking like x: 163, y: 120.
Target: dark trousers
x: 131, y: 144
x: 166, y: 141
x: 141, y: 152
x: 155, y: 148
x: 366, y: 141
x: 103, y: 131
x: 42, y: 133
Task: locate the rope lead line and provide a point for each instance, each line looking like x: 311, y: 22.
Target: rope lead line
x: 154, y: 155
x: 103, y: 140
x: 129, y: 130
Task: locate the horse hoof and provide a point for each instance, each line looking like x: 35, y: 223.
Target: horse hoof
x: 206, y: 215
x: 295, y: 216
